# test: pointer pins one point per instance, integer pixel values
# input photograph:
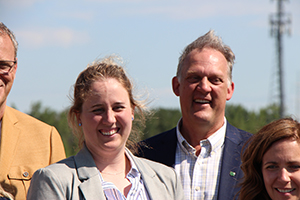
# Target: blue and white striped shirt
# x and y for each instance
(136, 192)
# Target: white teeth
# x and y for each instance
(201, 101)
(109, 133)
(284, 191)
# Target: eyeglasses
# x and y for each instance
(6, 66)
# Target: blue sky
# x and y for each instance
(57, 39)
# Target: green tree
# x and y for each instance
(161, 120)
(237, 115)
(59, 121)
(251, 121)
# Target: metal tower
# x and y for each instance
(280, 22)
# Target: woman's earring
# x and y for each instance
(132, 118)
(79, 124)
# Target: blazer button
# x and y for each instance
(25, 174)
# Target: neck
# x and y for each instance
(194, 133)
(113, 163)
(115, 171)
(2, 109)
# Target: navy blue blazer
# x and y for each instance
(162, 147)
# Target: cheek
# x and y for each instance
(268, 178)
(9, 79)
(186, 86)
(89, 120)
(220, 93)
(296, 179)
(125, 119)
(128, 119)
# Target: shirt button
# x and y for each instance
(197, 188)
(25, 174)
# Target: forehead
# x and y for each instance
(107, 85)
(207, 58)
(204, 55)
(6, 47)
(285, 149)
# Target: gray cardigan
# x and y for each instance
(77, 177)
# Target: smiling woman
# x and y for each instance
(101, 116)
(271, 162)
(102, 79)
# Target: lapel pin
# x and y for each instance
(231, 173)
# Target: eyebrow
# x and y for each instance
(116, 103)
(119, 103)
(4, 61)
(96, 105)
(289, 162)
(270, 162)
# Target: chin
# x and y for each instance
(202, 116)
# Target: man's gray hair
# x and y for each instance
(5, 30)
(209, 40)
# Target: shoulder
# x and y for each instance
(158, 145)
(161, 138)
(23, 118)
(62, 172)
(236, 137)
(56, 181)
(236, 133)
(27, 124)
(160, 148)
(60, 167)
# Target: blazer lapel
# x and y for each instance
(155, 190)
(88, 174)
(9, 140)
(91, 189)
(230, 171)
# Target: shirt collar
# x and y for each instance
(134, 172)
(216, 140)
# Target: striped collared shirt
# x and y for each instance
(200, 175)
(137, 190)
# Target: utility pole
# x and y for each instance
(280, 22)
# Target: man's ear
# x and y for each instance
(230, 90)
(16, 66)
(175, 86)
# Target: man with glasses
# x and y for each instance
(26, 144)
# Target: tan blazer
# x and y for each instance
(27, 144)
(77, 178)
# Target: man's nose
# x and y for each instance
(204, 84)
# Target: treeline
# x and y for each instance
(161, 120)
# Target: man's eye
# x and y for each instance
(4, 65)
(193, 79)
(216, 80)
